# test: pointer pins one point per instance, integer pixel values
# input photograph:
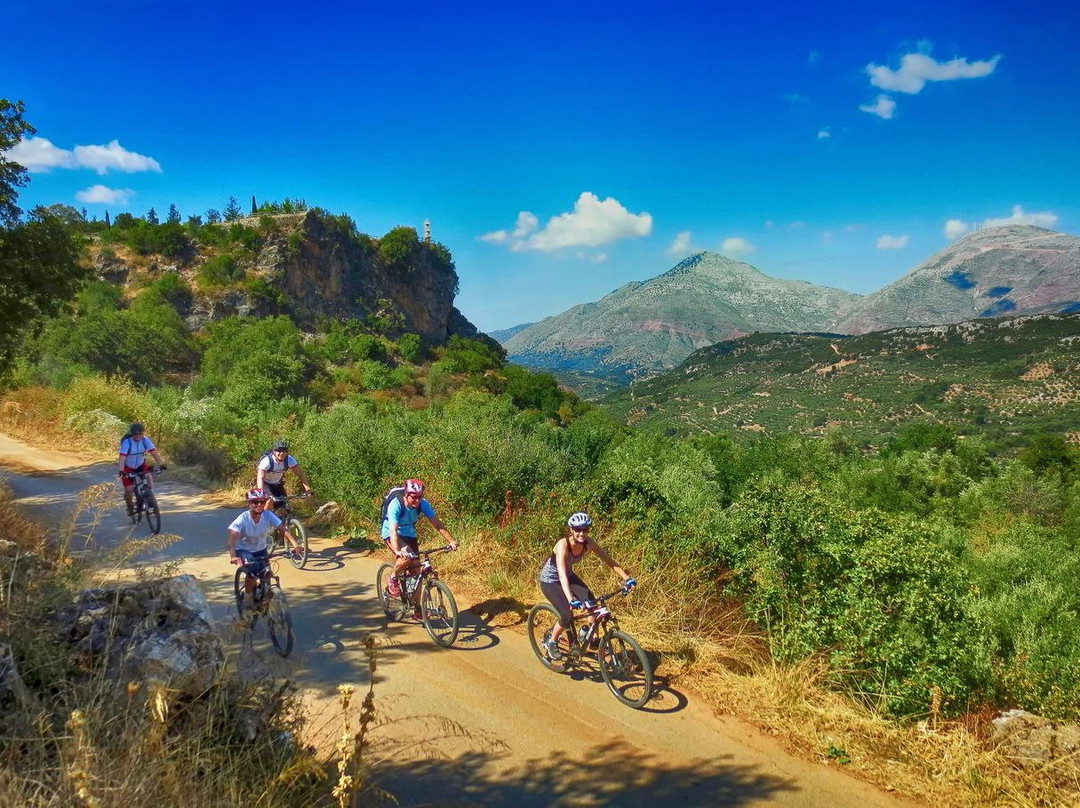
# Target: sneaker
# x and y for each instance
(418, 615)
(553, 652)
(393, 588)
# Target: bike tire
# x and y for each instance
(440, 613)
(382, 578)
(541, 620)
(625, 668)
(279, 622)
(238, 590)
(153, 514)
(296, 528)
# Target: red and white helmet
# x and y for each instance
(414, 486)
(256, 495)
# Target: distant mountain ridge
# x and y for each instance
(648, 327)
(1010, 270)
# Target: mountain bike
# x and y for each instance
(438, 609)
(268, 600)
(144, 501)
(295, 527)
(625, 668)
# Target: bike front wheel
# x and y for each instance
(626, 669)
(440, 613)
(382, 580)
(238, 589)
(279, 622)
(296, 530)
(542, 619)
(153, 515)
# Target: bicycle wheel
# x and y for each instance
(626, 670)
(382, 578)
(440, 613)
(542, 619)
(153, 515)
(238, 589)
(300, 536)
(279, 621)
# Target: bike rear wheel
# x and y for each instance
(542, 619)
(388, 603)
(153, 515)
(440, 613)
(279, 622)
(298, 557)
(626, 669)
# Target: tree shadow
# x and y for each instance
(609, 774)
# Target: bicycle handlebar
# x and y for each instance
(589, 605)
(132, 475)
(446, 548)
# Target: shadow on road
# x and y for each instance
(613, 774)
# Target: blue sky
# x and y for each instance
(561, 150)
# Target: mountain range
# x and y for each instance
(645, 328)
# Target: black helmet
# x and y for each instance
(280, 445)
(136, 428)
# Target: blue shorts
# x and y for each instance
(254, 561)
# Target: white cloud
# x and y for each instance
(883, 107)
(954, 228)
(824, 134)
(681, 244)
(600, 258)
(736, 247)
(1044, 219)
(114, 157)
(37, 154)
(892, 242)
(918, 68)
(592, 223)
(101, 194)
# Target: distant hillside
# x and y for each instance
(648, 327)
(1010, 379)
(504, 334)
(645, 328)
(1002, 271)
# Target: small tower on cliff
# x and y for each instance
(427, 231)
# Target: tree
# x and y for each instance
(39, 273)
(174, 215)
(232, 210)
(12, 175)
(151, 217)
(213, 216)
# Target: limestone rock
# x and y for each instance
(157, 630)
(1032, 739)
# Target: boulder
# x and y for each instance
(1031, 739)
(149, 630)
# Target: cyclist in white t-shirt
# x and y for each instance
(248, 533)
(134, 447)
(272, 468)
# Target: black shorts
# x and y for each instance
(275, 489)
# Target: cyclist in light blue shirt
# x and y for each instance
(399, 531)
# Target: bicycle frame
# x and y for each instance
(419, 571)
(601, 621)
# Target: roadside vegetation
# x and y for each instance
(874, 605)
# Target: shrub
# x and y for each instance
(221, 270)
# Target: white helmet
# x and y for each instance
(579, 519)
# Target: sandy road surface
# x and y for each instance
(516, 733)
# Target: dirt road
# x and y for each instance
(481, 723)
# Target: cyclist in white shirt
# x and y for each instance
(248, 533)
(272, 468)
(134, 447)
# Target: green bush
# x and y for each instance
(221, 270)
